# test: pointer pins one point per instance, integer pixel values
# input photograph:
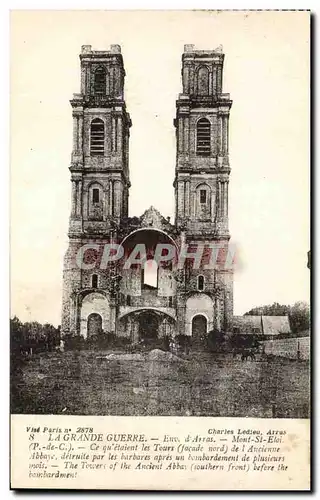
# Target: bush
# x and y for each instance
(73, 342)
(216, 341)
(238, 342)
(147, 344)
(95, 342)
(119, 342)
(184, 342)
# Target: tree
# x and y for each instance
(275, 309)
(16, 334)
(299, 317)
(33, 336)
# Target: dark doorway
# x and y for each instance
(94, 324)
(148, 325)
(199, 326)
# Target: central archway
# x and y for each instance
(146, 324)
(148, 235)
(149, 257)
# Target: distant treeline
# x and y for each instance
(32, 337)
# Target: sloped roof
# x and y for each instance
(268, 325)
(248, 324)
(275, 325)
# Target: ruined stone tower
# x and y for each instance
(149, 299)
(100, 182)
(99, 161)
(201, 181)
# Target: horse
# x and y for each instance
(248, 353)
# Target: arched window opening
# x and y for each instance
(203, 196)
(94, 281)
(97, 137)
(203, 81)
(150, 274)
(95, 195)
(95, 202)
(200, 283)
(203, 202)
(100, 82)
(203, 137)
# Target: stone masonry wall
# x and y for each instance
(288, 348)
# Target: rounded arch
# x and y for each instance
(140, 246)
(203, 80)
(85, 291)
(94, 324)
(99, 81)
(204, 184)
(140, 230)
(199, 325)
(169, 314)
(97, 121)
(205, 315)
(94, 303)
(96, 183)
(199, 303)
(146, 322)
(203, 119)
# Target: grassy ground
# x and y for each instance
(204, 384)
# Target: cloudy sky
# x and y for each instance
(267, 75)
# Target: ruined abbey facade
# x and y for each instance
(149, 298)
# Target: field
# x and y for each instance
(202, 384)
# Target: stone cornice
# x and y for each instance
(83, 102)
(205, 170)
